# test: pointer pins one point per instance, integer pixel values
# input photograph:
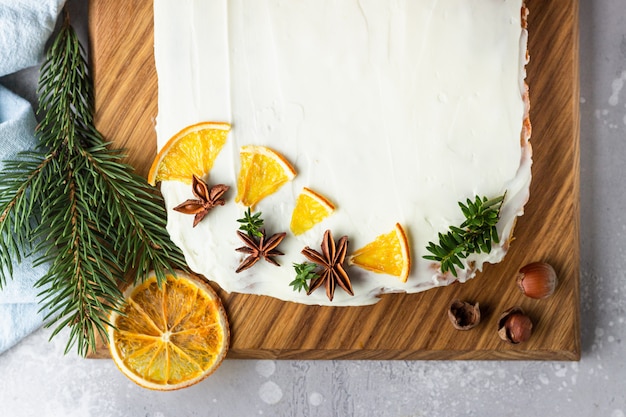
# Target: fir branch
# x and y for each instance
(19, 208)
(141, 211)
(79, 207)
(475, 235)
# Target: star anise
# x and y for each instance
(206, 199)
(331, 260)
(265, 249)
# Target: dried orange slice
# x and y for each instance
(263, 171)
(311, 208)
(387, 254)
(191, 151)
(170, 337)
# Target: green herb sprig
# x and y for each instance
(74, 204)
(475, 235)
(305, 272)
(252, 224)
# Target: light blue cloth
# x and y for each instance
(25, 26)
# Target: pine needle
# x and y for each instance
(74, 203)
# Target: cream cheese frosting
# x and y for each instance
(393, 110)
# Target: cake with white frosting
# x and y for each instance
(393, 110)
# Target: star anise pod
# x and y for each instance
(205, 201)
(331, 260)
(264, 248)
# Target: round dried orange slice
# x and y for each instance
(311, 208)
(387, 254)
(169, 337)
(263, 171)
(191, 151)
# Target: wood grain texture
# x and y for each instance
(399, 326)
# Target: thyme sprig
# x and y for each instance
(251, 223)
(305, 272)
(73, 204)
(476, 234)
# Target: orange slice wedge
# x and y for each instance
(311, 208)
(387, 254)
(170, 337)
(263, 171)
(191, 151)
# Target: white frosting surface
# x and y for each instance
(393, 110)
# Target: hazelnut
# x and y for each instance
(464, 315)
(514, 326)
(537, 280)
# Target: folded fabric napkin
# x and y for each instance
(25, 26)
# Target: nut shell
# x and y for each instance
(514, 326)
(463, 315)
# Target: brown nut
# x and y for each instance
(537, 280)
(514, 326)
(463, 315)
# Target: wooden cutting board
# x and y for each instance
(400, 326)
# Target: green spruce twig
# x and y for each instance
(75, 204)
(475, 235)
